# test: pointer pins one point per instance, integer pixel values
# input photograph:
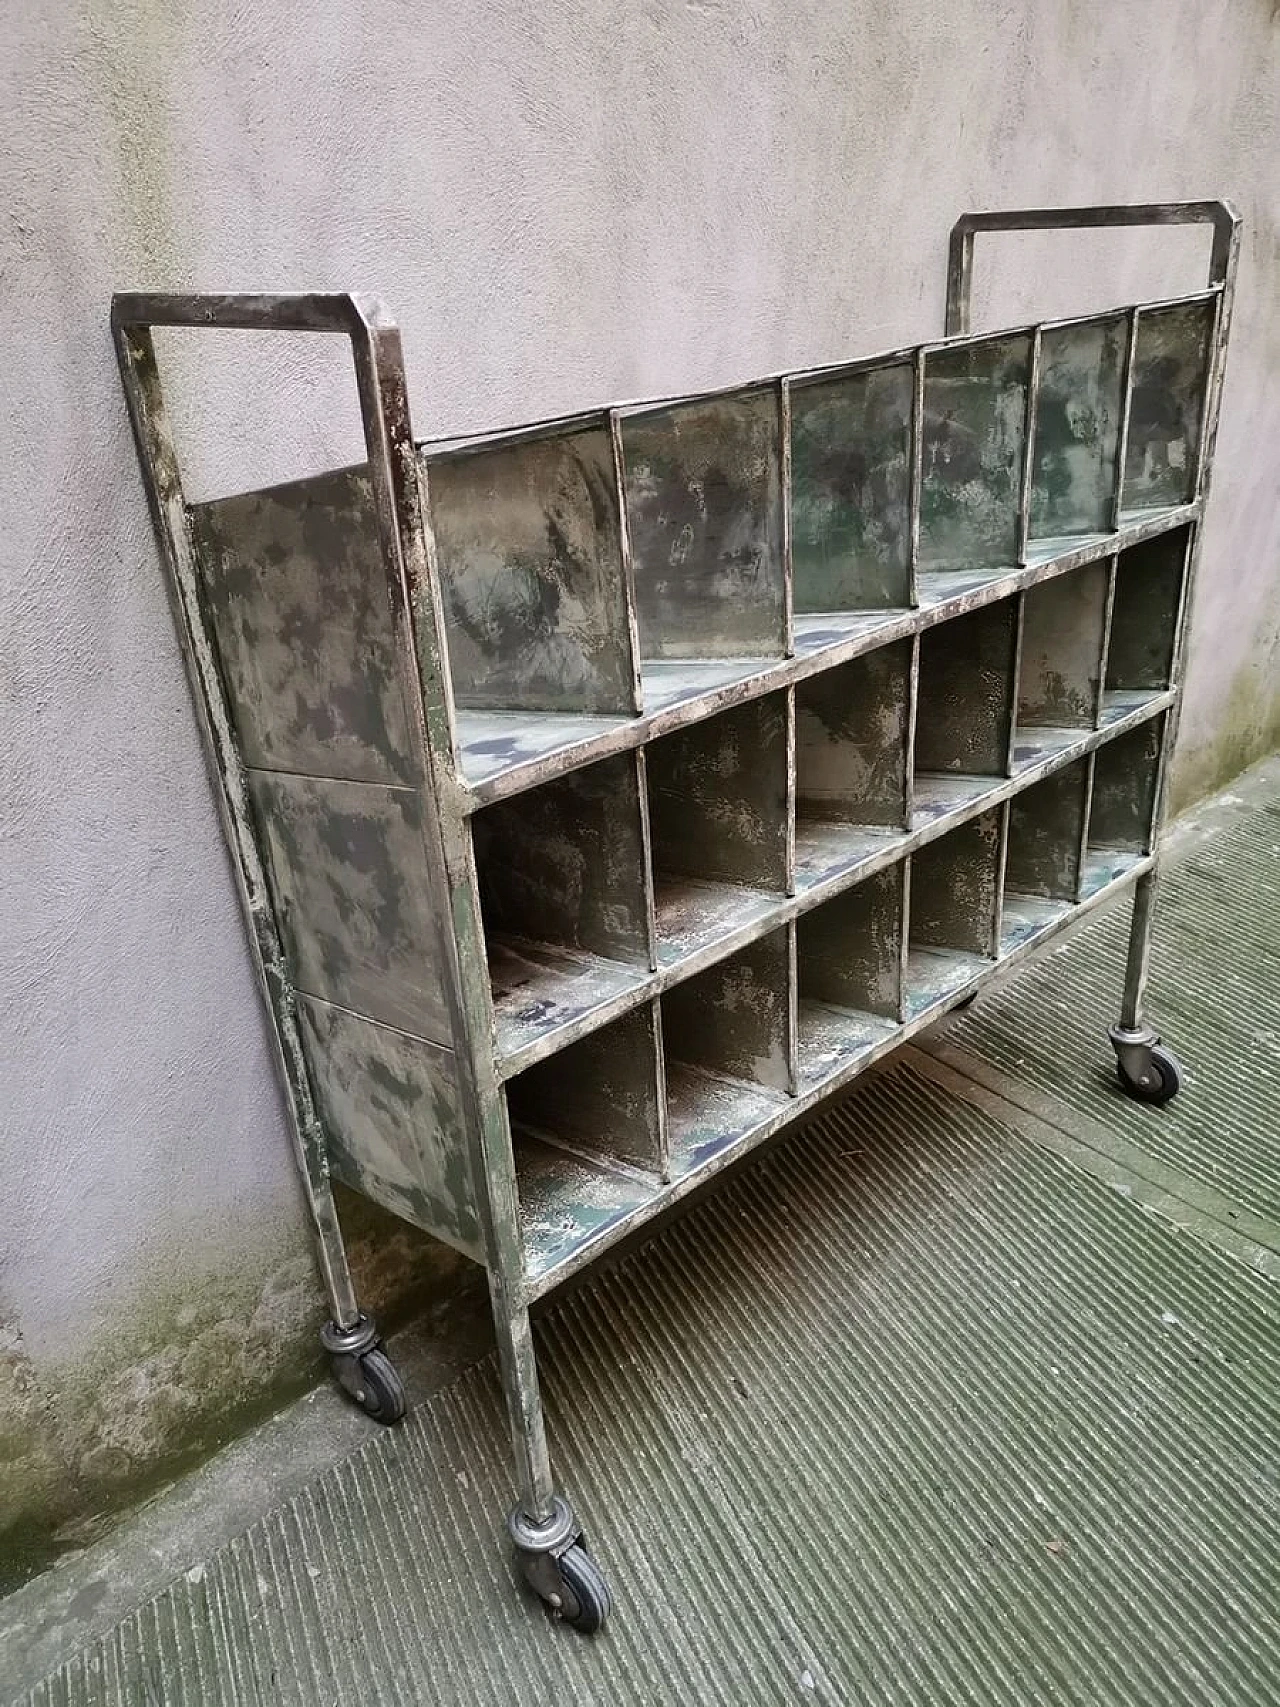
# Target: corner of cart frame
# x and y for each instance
(606, 793)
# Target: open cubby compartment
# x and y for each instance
(851, 466)
(531, 565)
(1122, 807)
(588, 1137)
(1064, 627)
(1145, 616)
(953, 910)
(852, 761)
(1045, 854)
(562, 884)
(850, 966)
(964, 708)
(720, 813)
(729, 1049)
(1075, 457)
(1171, 361)
(706, 517)
(974, 439)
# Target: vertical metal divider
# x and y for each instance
(793, 1010)
(1126, 409)
(792, 1041)
(789, 794)
(1002, 861)
(904, 945)
(916, 478)
(1015, 680)
(788, 553)
(913, 705)
(1031, 415)
(627, 566)
(1084, 824)
(1108, 614)
(651, 934)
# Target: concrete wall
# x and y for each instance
(564, 204)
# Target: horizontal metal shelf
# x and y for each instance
(572, 1210)
(505, 752)
(553, 1014)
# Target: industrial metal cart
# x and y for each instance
(605, 794)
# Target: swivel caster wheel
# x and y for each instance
(364, 1371)
(1148, 1072)
(562, 1574)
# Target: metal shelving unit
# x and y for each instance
(606, 794)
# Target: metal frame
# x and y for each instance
(1133, 1036)
(542, 1526)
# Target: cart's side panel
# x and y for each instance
(293, 582)
(391, 1107)
(294, 586)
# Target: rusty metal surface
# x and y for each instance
(1046, 835)
(852, 739)
(974, 442)
(1170, 373)
(735, 1019)
(851, 489)
(1124, 789)
(1064, 631)
(955, 886)
(354, 907)
(564, 864)
(1150, 579)
(529, 549)
(967, 688)
(850, 950)
(291, 578)
(718, 797)
(601, 1098)
(1081, 397)
(391, 1105)
(705, 509)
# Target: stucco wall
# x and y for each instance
(563, 204)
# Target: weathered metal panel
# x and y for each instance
(966, 703)
(352, 898)
(529, 553)
(392, 1113)
(1125, 773)
(705, 509)
(1046, 834)
(1170, 375)
(718, 797)
(849, 949)
(599, 1097)
(295, 588)
(1063, 632)
(852, 762)
(564, 863)
(851, 489)
(974, 436)
(1077, 427)
(1144, 618)
(954, 885)
(735, 1018)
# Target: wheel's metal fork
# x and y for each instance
(1147, 1070)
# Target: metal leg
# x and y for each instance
(550, 1546)
(352, 1339)
(1147, 1070)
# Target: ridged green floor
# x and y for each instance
(916, 1410)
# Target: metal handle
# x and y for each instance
(1221, 215)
